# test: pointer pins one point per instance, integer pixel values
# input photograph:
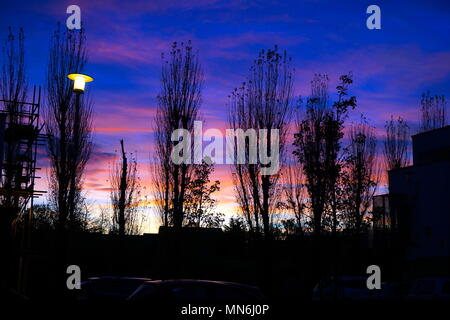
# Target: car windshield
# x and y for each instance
(210, 292)
(145, 291)
(230, 293)
(189, 292)
(122, 286)
(353, 284)
(424, 287)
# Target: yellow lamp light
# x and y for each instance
(79, 81)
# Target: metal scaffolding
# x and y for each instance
(19, 139)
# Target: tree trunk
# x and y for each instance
(123, 189)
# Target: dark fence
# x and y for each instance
(281, 268)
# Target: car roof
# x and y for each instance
(433, 278)
(194, 281)
(345, 278)
(118, 278)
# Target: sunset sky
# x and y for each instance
(391, 67)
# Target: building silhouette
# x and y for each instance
(417, 208)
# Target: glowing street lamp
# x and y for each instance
(79, 81)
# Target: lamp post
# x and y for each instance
(79, 83)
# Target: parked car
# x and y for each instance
(430, 289)
(196, 291)
(350, 288)
(109, 287)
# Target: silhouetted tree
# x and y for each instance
(396, 144)
(334, 132)
(68, 125)
(103, 221)
(294, 200)
(263, 102)
(236, 225)
(433, 112)
(290, 228)
(318, 145)
(160, 173)
(199, 204)
(44, 219)
(361, 175)
(125, 195)
(178, 105)
(311, 148)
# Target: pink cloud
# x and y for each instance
(123, 119)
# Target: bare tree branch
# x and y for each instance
(396, 144)
(264, 102)
(318, 147)
(68, 125)
(361, 175)
(433, 112)
(125, 195)
(178, 105)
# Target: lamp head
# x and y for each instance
(79, 81)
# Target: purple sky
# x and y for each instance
(391, 66)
